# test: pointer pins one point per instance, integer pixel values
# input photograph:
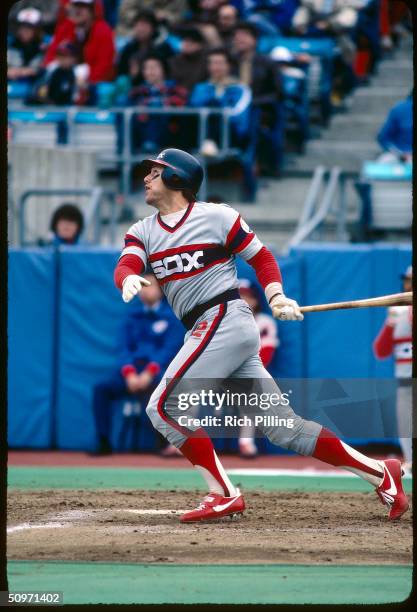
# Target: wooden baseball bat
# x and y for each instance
(395, 299)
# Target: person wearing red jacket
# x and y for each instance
(92, 36)
(395, 338)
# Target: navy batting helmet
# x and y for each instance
(181, 170)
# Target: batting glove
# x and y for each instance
(132, 284)
(394, 314)
(283, 308)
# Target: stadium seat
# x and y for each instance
(35, 127)
(386, 195)
(320, 70)
(18, 90)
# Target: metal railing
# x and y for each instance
(92, 220)
(124, 157)
(326, 196)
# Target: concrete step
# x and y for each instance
(378, 99)
(349, 154)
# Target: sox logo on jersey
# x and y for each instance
(185, 261)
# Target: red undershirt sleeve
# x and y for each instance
(384, 344)
(266, 268)
(128, 264)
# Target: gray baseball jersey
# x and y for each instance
(193, 260)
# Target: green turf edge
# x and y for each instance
(165, 479)
(125, 583)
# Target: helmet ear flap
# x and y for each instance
(172, 179)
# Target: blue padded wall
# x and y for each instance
(90, 312)
(31, 349)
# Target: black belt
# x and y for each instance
(191, 317)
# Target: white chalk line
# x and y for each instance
(25, 526)
(74, 516)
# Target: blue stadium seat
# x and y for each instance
(385, 192)
(320, 70)
(18, 89)
(323, 47)
(95, 117)
(38, 116)
(374, 170)
(37, 127)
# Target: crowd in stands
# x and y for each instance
(166, 53)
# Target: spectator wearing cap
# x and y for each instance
(145, 40)
(396, 135)
(26, 50)
(58, 85)
(269, 342)
(168, 12)
(67, 224)
(189, 67)
(93, 39)
(150, 133)
(262, 75)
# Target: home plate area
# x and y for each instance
(142, 526)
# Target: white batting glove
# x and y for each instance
(283, 308)
(394, 314)
(132, 284)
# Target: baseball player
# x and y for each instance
(191, 247)
(395, 338)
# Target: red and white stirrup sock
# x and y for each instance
(332, 450)
(201, 453)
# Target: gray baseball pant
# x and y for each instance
(224, 343)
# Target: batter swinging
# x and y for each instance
(191, 247)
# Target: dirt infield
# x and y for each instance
(278, 527)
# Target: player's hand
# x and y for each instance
(132, 284)
(285, 309)
(393, 315)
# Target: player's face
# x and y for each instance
(155, 190)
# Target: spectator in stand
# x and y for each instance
(48, 9)
(249, 292)
(25, 51)
(64, 10)
(58, 85)
(145, 40)
(169, 12)
(204, 14)
(150, 339)
(223, 90)
(189, 67)
(395, 338)
(151, 133)
(93, 39)
(335, 19)
(262, 75)
(67, 224)
(396, 135)
(227, 20)
(269, 16)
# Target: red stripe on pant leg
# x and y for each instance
(199, 450)
(186, 365)
(330, 450)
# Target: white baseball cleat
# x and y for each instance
(215, 506)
